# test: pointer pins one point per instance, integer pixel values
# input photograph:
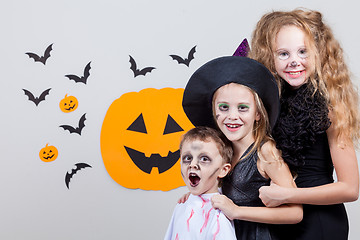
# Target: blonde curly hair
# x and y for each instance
(330, 75)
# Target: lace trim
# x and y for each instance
(302, 117)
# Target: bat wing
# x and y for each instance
(81, 124)
(82, 165)
(44, 94)
(68, 177)
(178, 59)
(133, 66)
(146, 70)
(87, 72)
(33, 56)
(71, 129)
(73, 77)
(191, 54)
(47, 53)
(30, 96)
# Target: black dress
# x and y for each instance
(242, 187)
(301, 135)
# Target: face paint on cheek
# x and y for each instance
(214, 173)
(217, 116)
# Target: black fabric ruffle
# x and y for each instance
(302, 117)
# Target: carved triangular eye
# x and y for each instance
(138, 125)
(171, 126)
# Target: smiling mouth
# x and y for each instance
(194, 179)
(232, 127)
(49, 157)
(69, 108)
(295, 73)
(146, 164)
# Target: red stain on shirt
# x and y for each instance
(218, 227)
(188, 224)
(206, 220)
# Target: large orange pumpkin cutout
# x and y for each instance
(140, 139)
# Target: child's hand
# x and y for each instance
(273, 195)
(225, 204)
(184, 198)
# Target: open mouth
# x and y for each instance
(146, 164)
(194, 179)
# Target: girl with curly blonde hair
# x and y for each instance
(319, 121)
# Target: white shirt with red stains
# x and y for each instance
(197, 219)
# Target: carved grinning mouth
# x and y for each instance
(71, 107)
(49, 157)
(146, 164)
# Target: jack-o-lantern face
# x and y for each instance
(68, 104)
(48, 153)
(140, 139)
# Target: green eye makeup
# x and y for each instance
(223, 105)
(243, 106)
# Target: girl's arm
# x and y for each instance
(270, 165)
(285, 214)
(346, 189)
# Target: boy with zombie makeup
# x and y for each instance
(205, 159)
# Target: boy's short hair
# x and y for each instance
(207, 134)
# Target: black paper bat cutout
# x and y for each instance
(82, 79)
(38, 58)
(68, 175)
(37, 100)
(136, 71)
(77, 129)
(187, 60)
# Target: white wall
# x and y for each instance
(35, 203)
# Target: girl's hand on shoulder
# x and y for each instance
(184, 198)
(225, 204)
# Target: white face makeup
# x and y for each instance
(202, 166)
(291, 56)
(236, 112)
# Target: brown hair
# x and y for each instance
(330, 75)
(207, 134)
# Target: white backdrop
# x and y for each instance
(35, 203)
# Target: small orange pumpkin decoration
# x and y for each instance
(140, 139)
(68, 104)
(48, 153)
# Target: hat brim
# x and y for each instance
(199, 91)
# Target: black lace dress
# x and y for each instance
(242, 185)
(300, 134)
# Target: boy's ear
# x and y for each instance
(224, 170)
